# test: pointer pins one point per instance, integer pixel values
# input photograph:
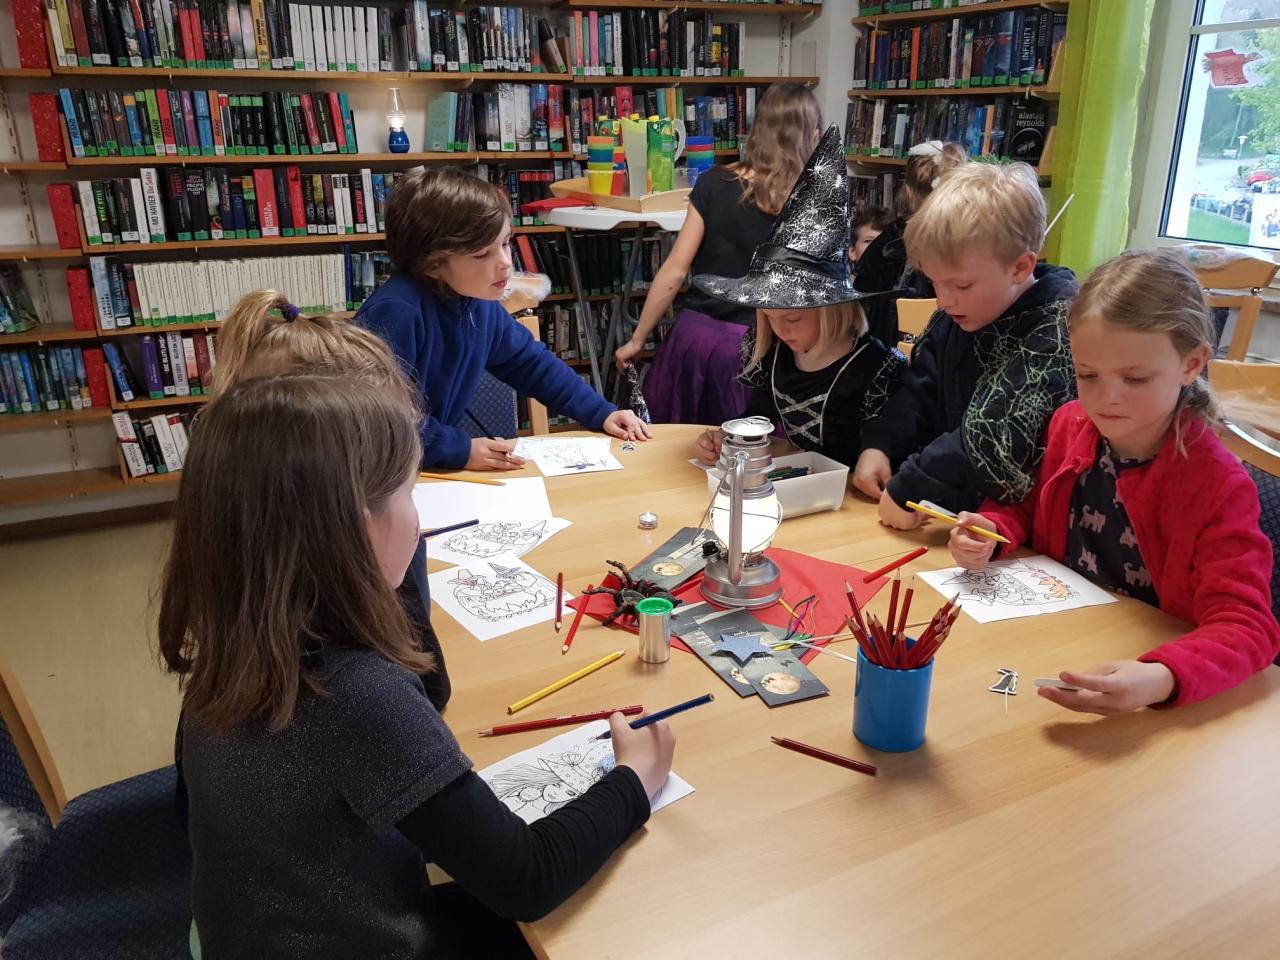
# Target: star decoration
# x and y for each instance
(742, 647)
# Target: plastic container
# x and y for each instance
(822, 489)
(891, 707)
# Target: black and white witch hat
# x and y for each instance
(804, 262)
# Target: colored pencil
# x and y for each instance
(853, 605)
(564, 682)
(546, 722)
(946, 516)
(814, 646)
(447, 476)
(890, 567)
(560, 599)
(449, 529)
(577, 619)
(663, 714)
(892, 618)
(820, 754)
(906, 606)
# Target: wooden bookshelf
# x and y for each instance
(118, 404)
(919, 16)
(46, 333)
(140, 329)
(764, 9)
(151, 479)
(15, 423)
(293, 159)
(1044, 92)
(10, 167)
(16, 72)
(60, 486)
(397, 77)
(38, 252)
(623, 80)
(1041, 171)
(328, 239)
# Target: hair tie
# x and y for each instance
(289, 311)
(933, 149)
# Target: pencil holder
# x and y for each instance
(890, 707)
(654, 615)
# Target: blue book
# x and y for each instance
(12, 384)
(151, 366)
(134, 144)
(204, 124)
(69, 379)
(73, 124)
(29, 375)
(348, 123)
(237, 210)
(119, 372)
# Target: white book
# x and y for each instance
(507, 116)
(524, 118)
(155, 292)
(171, 285)
(362, 41)
(617, 42)
(248, 38)
(102, 292)
(211, 270)
(342, 203)
(464, 45)
(179, 431)
(144, 294)
(164, 436)
(144, 230)
(318, 38)
(339, 39)
(178, 363)
(690, 49)
(338, 277)
(132, 454)
(422, 33)
(211, 341)
(371, 38)
(349, 28)
(370, 218)
(236, 34)
(88, 211)
(296, 58)
(163, 16)
(124, 427)
(55, 31)
(330, 41)
(306, 33)
(877, 124)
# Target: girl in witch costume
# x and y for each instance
(811, 366)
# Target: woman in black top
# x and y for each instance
(731, 210)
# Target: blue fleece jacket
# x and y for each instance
(446, 343)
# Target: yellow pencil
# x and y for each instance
(448, 476)
(938, 513)
(561, 684)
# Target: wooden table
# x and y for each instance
(1044, 834)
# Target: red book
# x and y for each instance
(63, 207)
(197, 30)
(202, 358)
(80, 293)
(80, 33)
(357, 197)
(264, 188)
(44, 118)
(526, 253)
(626, 101)
(29, 24)
(297, 209)
(335, 111)
(309, 121)
(166, 124)
(187, 32)
(96, 373)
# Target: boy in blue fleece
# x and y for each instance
(448, 236)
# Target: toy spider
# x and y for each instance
(629, 593)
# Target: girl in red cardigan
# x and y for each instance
(1137, 493)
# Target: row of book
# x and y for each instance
(220, 203)
(873, 189)
(874, 8)
(42, 379)
(155, 444)
(161, 366)
(17, 312)
(1004, 128)
(655, 43)
(167, 122)
(1011, 48)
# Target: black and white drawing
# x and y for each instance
(1009, 589)
(496, 596)
(493, 539)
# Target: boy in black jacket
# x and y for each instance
(995, 361)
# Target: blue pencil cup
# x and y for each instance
(890, 707)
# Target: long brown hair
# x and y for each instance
(783, 134)
(1156, 291)
(432, 214)
(258, 338)
(271, 559)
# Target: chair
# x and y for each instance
(913, 318)
(114, 879)
(1219, 269)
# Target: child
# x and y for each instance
(813, 370)
(731, 211)
(266, 334)
(867, 224)
(884, 266)
(1137, 493)
(994, 362)
(449, 235)
(320, 775)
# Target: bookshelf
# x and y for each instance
(923, 16)
(72, 433)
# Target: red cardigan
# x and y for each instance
(1196, 520)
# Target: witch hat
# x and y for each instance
(804, 262)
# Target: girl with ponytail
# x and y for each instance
(1137, 493)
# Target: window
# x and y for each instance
(1213, 168)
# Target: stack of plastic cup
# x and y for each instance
(600, 163)
(701, 155)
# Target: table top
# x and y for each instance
(607, 218)
(1046, 833)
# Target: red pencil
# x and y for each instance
(577, 619)
(890, 567)
(819, 754)
(559, 721)
(853, 605)
(892, 619)
(559, 599)
(906, 605)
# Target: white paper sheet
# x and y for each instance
(540, 780)
(493, 539)
(1009, 589)
(492, 597)
(444, 502)
(557, 456)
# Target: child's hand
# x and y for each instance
(489, 454)
(626, 425)
(970, 551)
(708, 446)
(872, 472)
(623, 356)
(646, 751)
(1115, 687)
(892, 515)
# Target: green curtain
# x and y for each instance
(1105, 60)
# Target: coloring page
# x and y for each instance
(1009, 589)
(557, 456)
(542, 779)
(487, 540)
(444, 502)
(497, 596)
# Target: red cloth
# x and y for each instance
(802, 576)
(1196, 520)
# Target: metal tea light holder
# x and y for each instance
(745, 515)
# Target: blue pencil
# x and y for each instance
(449, 529)
(663, 714)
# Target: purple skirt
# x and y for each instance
(694, 375)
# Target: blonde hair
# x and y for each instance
(258, 339)
(922, 170)
(781, 139)
(986, 206)
(1155, 291)
(834, 321)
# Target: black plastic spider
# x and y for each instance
(629, 593)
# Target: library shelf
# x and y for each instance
(58, 486)
(1043, 92)
(919, 16)
(765, 9)
(43, 251)
(13, 423)
(51, 333)
(461, 77)
(142, 328)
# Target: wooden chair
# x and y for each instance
(913, 317)
(1227, 270)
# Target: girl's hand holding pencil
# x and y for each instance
(647, 751)
(969, 549)
(490, 454)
